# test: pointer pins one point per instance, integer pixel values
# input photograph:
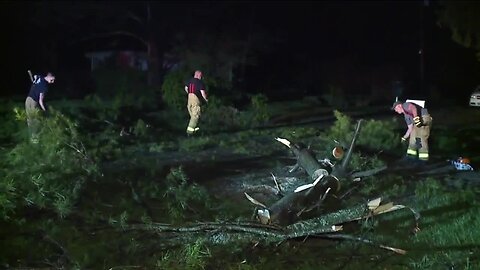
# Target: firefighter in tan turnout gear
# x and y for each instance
(196, 95)
(419, 123)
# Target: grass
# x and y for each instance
(448, 237)
(451, 219)
(449, 216)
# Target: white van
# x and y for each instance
(475, 97)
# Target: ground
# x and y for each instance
(226, 162)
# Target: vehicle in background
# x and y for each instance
(475, 97)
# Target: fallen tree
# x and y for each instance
(221, 233)
(327, 177)
(286, 219)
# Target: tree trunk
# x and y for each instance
(153, 65)
(341, 171)
(247, 232)
(289, 209)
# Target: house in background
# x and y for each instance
(131, 59)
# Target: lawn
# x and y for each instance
(70, 201)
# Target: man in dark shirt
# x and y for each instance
(35, 100)
(418, 122)
(195, 89)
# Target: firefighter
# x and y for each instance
(419, 123)
(35, 102)
(197, 94)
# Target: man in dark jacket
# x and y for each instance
(196, 91)
(419, 123)
(36, 101)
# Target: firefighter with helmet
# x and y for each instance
(419, 123)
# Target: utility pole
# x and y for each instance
(421, 52)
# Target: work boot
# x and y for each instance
(190, 131)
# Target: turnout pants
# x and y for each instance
(33, 112)
(194, 110)
(418, 144)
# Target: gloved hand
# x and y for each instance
(418, 121)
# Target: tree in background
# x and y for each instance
(461, 17)
(222, 48)
(96, 25)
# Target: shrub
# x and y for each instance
(259, 105)
(140, 129)
(378, 135)
(220, 116)
(343, 128)
(173, 92)
(374, 134)
(7, 117)
(48, 175)
(104, 110)
(182, 195)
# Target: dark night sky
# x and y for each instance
(316, 40)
